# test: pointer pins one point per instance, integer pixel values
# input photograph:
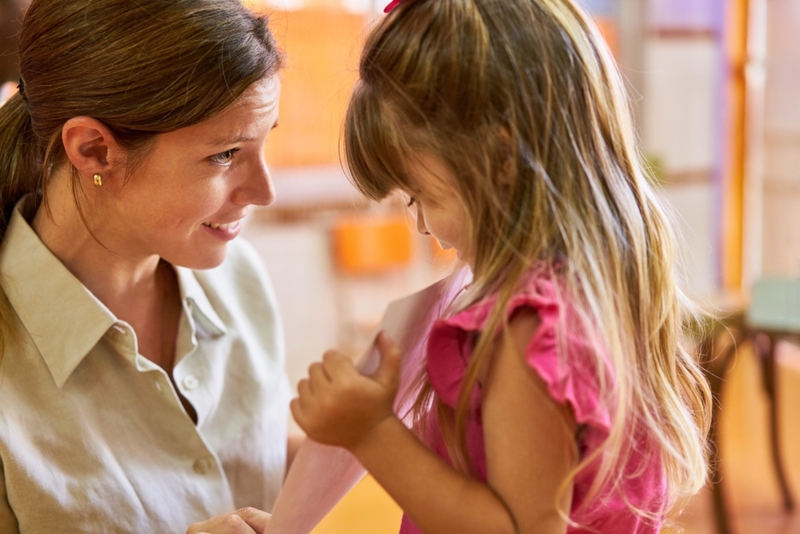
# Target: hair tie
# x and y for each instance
(21, 88)
(391, 6)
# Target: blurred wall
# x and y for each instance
(680, 116)
(780, 233)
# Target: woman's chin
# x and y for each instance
(199, 261)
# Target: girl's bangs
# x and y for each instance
(375, 144)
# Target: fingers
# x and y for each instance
(338, 366)
(388, 372)
(304, 388)
(243, 521)
(334, 368)
(255, 518)
(309, 389)
(317, 377)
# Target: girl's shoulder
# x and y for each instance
(562, 353)
(575, 371)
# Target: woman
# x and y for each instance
(141, 383)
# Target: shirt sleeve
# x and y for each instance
(566, 360)
(558, 352)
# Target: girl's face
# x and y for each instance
(435, 203)
(188, 197)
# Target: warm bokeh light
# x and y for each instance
(322, 48)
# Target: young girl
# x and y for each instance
(557, 396)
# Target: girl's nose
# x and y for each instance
(421, 228)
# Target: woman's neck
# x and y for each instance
(137, 289)
(114, 275)
(141, 290)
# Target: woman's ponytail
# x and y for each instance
(19, 165)
(19, 175)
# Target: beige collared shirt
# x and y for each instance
(93, 436)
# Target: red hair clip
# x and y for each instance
(392, 5)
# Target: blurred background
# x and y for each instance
(714, 85)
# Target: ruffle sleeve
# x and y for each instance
(571, 378)
(570, 364)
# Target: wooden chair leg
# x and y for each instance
(721, 516)
(769, 375)
(714, 372)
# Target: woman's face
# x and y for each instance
(186, 200)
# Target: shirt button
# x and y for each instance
(190, 382)
(202, 466)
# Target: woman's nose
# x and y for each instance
(258, 189)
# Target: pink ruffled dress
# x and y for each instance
(571, 380)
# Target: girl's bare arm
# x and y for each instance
(527, 431)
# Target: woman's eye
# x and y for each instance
(411, 202)
(224, 158)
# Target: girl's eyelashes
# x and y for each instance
(224, 158)
(411, 202)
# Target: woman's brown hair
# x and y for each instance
(142, 68)
(523, 102)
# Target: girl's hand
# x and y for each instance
(336, 405)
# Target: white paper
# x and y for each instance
(321, 475)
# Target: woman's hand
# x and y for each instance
(244, 521)
(336, 405)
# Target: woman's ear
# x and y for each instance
(91, 148)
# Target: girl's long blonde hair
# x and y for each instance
(527, 88)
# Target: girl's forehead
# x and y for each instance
(426, 170)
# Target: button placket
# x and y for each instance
(190, 382)
(202, 466)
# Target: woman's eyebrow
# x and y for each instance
(236, 138)
(232, 140)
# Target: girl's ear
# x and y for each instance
(91, 148)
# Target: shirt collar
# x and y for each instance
(63, 318)
(203, 312)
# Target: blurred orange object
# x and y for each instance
(322, 44)
(372, 244)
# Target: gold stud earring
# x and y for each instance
(98, 180)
